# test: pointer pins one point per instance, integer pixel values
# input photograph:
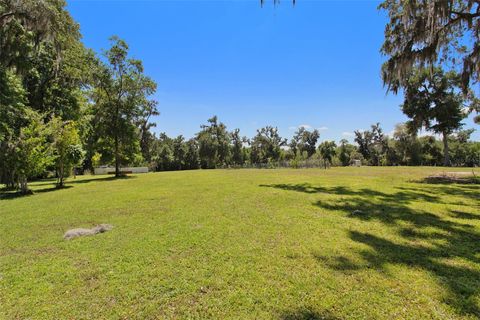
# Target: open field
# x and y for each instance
(244, 244)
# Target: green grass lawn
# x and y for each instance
(244, 244)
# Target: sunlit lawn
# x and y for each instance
(244, 244)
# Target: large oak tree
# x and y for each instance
(433, 101)
(425, 33)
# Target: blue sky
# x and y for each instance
(316, 64)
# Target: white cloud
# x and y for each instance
(305, 126)
(348, 134)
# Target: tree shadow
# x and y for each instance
(307, 314)
(54, 188)
(464, 191)
(462, 283)
(9, 195)
(6, 194)
(101, 179)
(308, 188)
(441, 240)
(338, 263)
(449, 179)
(464, 215)
(404, 196)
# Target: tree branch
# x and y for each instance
(6, 15)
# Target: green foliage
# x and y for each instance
(266, 150)
(25, 26)
(427, 33)
(121, 96)
(44, 67)
(420, 36)
(214, 144)
(462, 151)
(48, 79)
(149, 109)
(13, 116)
(406, 147)
(432, 102)
(31, 152)
(237, 149)
(12, 104)
(174, 154)
(372, 144)
(266, 146)
(192, 158)
(431, 151)
(179, 152)
(24, 153)
(304, 141)
(327, 151)
(345, 152)
(67, 149)
(40, 42)
(55, 88)
(163, 153)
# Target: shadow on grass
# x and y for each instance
(102, 179)
(461, 282)
(404, 196)
(307, 314)
(464, 215)
(443, 241)
(449, 180)
(463, 191)
(6, 194)
(9, 195)
(338, 263)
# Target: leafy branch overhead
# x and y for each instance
(429, 33)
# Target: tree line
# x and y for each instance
(63, 106)
(214, 146)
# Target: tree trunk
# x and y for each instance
(117, 158)
(24, 185)
(446, 155)
(60, 176)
